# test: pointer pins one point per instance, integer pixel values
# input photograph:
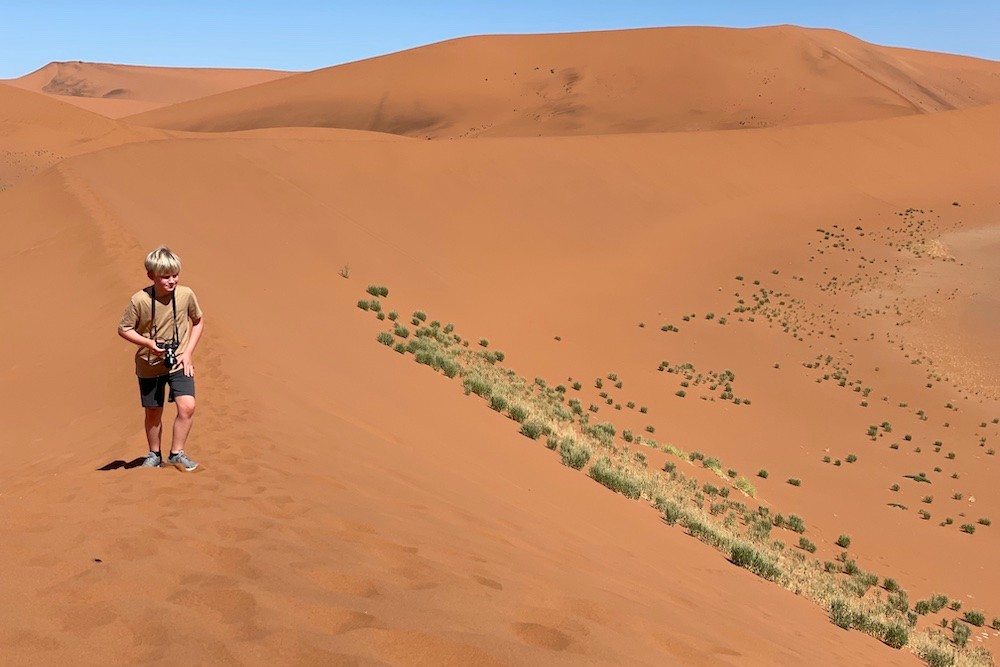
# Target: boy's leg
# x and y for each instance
(154, 428)
(183, 422)
(151, 392)
(182, 394)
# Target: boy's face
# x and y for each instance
(163, 284)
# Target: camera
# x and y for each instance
(169, 348)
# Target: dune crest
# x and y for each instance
(37, 131)
(649, 80)
(121, 90)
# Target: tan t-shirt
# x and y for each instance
(138, 315)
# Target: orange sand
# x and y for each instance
(651, 80)
(121, 90)
(357, 507)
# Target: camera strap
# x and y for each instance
(173, 302)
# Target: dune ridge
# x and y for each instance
(115, 90)
(648, 80)
(37, 132)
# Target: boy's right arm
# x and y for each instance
(133, 336)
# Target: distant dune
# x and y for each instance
(651, 80)
(356, 507)
(121, 90)
(37, 131)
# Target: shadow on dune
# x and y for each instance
(118, 463)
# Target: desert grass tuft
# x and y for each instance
(574, 454)
(748, 557)
(618, 478)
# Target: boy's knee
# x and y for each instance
(154, 415)
(185, 406)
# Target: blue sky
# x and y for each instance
(303, 34)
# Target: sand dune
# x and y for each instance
(654, 80)
(122, 90)
(359, 508)
(37, 132)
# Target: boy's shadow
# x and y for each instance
(118, 463)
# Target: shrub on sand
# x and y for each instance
(534, 428)
(573, 454)
(747, 557)
(616, 478)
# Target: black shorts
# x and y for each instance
(151, 390)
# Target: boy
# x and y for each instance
(165, 321)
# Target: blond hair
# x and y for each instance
(163, 262)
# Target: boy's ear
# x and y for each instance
(149, 274)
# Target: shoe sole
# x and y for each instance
(183, 468)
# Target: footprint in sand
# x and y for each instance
(339, 621)
(83, 620)
(489, 583)
(232, 531)
(228, 605)
(344, 584)
(541, 636)
(232, 560)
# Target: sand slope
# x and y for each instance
(358, 507)
(652, 80)
(121, 90)
(36, 132)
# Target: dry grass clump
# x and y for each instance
(621, 478)
(746, 556)
(937, 650)
(574, 454)
(849, 614)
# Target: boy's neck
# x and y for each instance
(161, 294)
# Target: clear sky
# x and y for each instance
(308, 34)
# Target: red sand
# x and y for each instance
(122, 90)
(37, 132)
(654, 80)
(356, 507)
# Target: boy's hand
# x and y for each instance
(157, 351)
(187, 364)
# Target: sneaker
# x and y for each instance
(152, 460)
(182, 462)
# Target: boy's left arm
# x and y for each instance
(197, 326)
